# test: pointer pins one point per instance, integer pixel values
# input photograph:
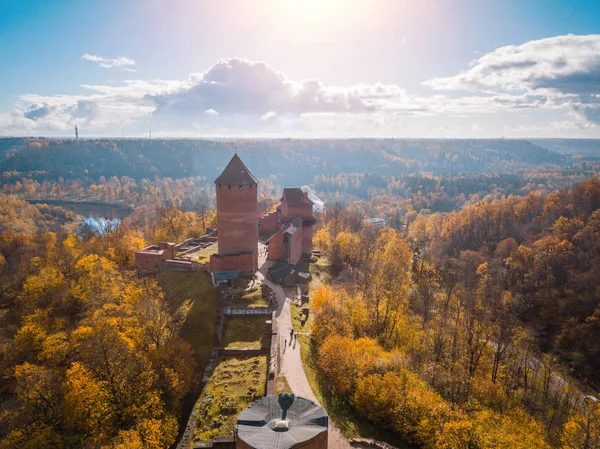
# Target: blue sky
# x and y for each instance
(301, 68)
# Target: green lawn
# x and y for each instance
(248, 298)
(235, 384)
(320, 272)
(195, 293)
(203, 256)
(297, 316)
(243, 332)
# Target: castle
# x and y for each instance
(289, 229)
(290, 226)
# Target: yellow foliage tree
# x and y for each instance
(344, 360)
(87, 406)
(331, 312)
(582, 431)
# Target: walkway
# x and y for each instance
(291, 362)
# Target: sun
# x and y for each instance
(321, 9)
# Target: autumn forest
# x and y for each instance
(472, 320)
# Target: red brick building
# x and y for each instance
(296, 204)
(237, 219)
(149, 258)
(291, 226)
(286, 244)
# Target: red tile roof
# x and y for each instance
(295, 197)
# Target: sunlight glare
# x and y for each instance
(322, 9)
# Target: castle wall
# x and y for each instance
(149, 258)
(277, 248)
(169, 250)
(291, 212)
(307, 238)
(247, 263)
(147, 262)
(269, 224)
(295, 246)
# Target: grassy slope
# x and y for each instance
(249, 298)
(235, 383)
(199, 327)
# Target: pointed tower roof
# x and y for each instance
(236, 173)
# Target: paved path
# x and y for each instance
(291, 362)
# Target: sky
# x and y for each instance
(300, 68)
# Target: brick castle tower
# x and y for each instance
(237, 219)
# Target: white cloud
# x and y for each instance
(556, 71)
(240, 86)
(243, 97)
(268, 116)
(567, 64)
(107, 63)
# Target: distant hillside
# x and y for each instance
(584, 147)
(298, 161)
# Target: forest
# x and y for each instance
(483, 322)
(90, 354)
(470, 321)
(391, 178)
(292, 160)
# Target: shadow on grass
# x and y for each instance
(341, 412)
(198, 327)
